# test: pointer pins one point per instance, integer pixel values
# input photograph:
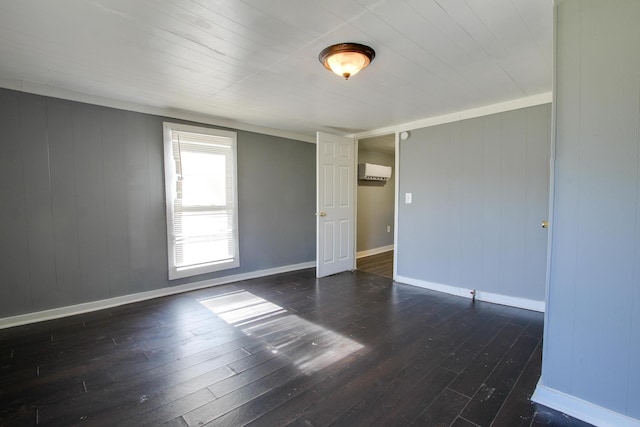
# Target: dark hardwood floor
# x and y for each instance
(352, 349)
(380, 264)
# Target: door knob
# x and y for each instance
(322, 214)
(545, 224)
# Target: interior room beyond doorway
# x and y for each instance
(375, 208)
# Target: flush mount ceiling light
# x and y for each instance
(346, 59)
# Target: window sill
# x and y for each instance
(179, 273)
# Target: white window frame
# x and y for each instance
(170, 172)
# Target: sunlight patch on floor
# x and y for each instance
(310, 346)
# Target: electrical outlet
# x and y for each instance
(407, 198)
(388, 229)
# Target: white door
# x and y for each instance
(336, 173)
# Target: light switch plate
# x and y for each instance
(407, 198)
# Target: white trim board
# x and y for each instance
(527, 304)
(581, 409)
(501, 107)
(374, 251)
(55, 313)
(62, 93)
(70, 95)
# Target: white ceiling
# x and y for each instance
(255, 61)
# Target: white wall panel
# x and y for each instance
(113, 149)
(474, 191)
(83, 211)
(63, 199)
(472, 226)
(14, 247)
(592, 339)
(37, 200)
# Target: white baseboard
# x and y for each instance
(480, 295)
(374, 251)
(581, 409)
(55, 313)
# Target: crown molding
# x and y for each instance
(501, 107)
(70, 95)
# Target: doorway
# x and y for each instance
(376, 208)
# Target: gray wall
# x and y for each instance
(375, 203)
(592, 337)
(82, 214)
(480, 190)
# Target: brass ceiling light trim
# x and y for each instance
(346, 59)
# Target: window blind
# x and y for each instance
(201, 199)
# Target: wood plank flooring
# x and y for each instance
(353, 349)
(380, 264)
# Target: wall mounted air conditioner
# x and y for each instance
(371, 172)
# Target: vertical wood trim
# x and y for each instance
(157, 220)
(633, 387)
(137, 199)
(63, 200)
(455, 189)
(90, 197)
(14, 248)
(396, 204)
(35, 154)
(115, 201)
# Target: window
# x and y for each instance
(202, 200)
